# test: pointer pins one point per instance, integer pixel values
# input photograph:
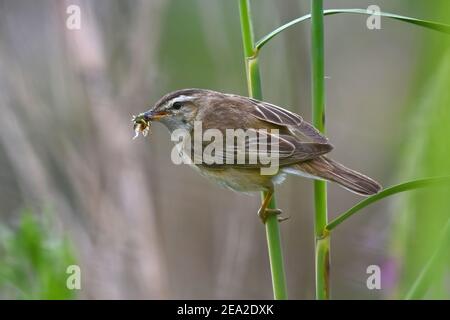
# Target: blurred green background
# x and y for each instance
(75, 189)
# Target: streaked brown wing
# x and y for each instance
(287, 148)
(296, 139)
(282, 117)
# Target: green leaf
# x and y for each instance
(445, 28)
(420, 286)
(411, 185)
(33, 261)
(418, 218)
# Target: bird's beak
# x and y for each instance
(155, 116)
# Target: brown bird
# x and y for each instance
(300, 148)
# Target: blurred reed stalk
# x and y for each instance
(318, 119)
(255, 91)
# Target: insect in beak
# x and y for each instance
(141, 124)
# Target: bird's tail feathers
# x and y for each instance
(327, 169)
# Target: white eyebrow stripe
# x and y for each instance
(181, 98)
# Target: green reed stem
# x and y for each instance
(255, 91)
(318, 119)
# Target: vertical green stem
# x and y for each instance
(318, 117)
(254, 89)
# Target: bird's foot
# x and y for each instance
(265, 214)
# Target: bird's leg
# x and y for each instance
(265, 212)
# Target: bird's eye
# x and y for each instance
(177, 105)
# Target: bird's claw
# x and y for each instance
(265, 214)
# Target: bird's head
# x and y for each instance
(176, 110)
